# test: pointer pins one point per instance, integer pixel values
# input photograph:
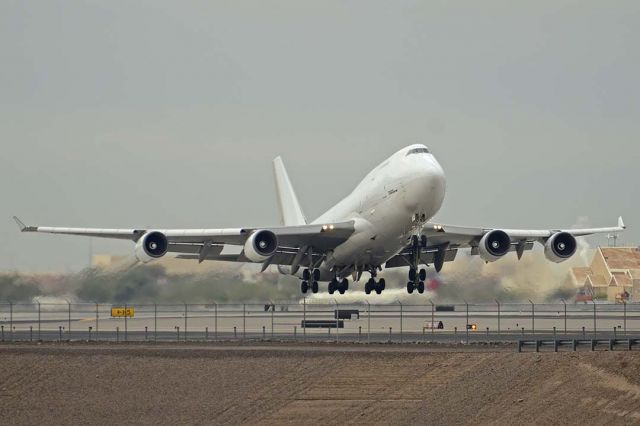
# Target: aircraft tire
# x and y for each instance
(410, 287)
(316, 274)
(421, 287)
(412, 274)
(367, 287)
(345, 284)
(304, 287)
(423, 274)
(306, 275)
(314, 287)
(382, 284)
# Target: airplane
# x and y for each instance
(384, 222)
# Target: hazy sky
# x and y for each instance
(168, 114)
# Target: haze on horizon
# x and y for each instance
(165, 114)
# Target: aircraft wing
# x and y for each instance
(445, 240)
(189, 243)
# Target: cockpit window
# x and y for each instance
(418, 151)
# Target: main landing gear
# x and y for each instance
(338, 285)
(416, 280)
(310, 280)
(373, 285)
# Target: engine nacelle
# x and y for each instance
(152, 245)
(494, 245)
(260, 245)
(560, 247)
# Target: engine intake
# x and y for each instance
(260, 245)
(560, 247)
(494, 245)
(151, 245)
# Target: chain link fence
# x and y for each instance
(311, 321)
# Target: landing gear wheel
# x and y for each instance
(314, 287)
(304, 286)
(410, 287)
(382, 284)
(343, 286)
(332, 287)
(423, 241)
(412, 274)
(423, 274)
(316, 274)
(369, 286)
(306, 275)
(421, 287)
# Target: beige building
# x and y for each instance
(613, 274)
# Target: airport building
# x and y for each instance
(613, 275)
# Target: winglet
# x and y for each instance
(621, 223)
(21, 225)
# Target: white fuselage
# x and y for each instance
(390, 203)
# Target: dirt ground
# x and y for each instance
(137, 384)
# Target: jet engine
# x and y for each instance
(560, 247)
(260, 245)
(494, 245)
(151, 245)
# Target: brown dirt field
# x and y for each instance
(138, 384)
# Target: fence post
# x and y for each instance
(304, 319)
(533, 317)
(368, 321)
(565, 316)
(244, 321)
(126, 329)
(337, 319)
(432, 316)
(594, 320)
(11, 321)
(185, 322)
(624, 307)
(467, 326)
(97, 322)
(498, 303)
(69, 322)
(273, 308)
(155, 322)
(401, 309)
(215, 320)
(39, 337)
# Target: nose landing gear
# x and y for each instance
(416, 279)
